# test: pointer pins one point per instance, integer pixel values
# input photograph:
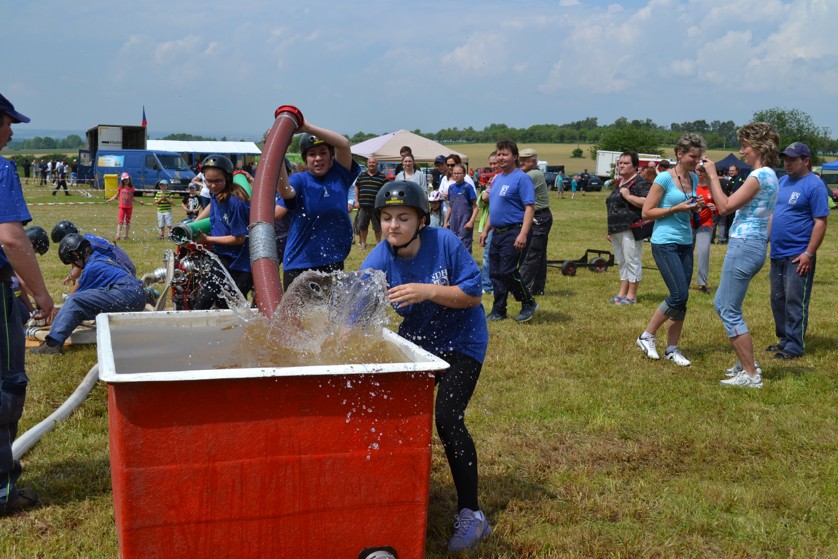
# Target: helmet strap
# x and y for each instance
(396, 249)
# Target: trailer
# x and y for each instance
(607, 160)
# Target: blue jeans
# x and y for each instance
(485, 278)
(506, 262)
(790, 293)
(744, 258)
(675, 263)
(124, 296)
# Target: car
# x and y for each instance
(550, 179)
(594, 183)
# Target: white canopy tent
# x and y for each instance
(386, 147)
(205, 146)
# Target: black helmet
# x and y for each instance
(307, 141)
(402, 193)
(39, 238)
(61, 229)
(219, 162)
(73, 247)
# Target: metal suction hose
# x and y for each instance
(263, 256)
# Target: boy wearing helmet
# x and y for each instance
(320, 235)
(104, 286)
(435, 286)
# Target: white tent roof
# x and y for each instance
(386, 147)
(207, 147)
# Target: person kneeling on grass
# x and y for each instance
(104, 286)
(435, 286)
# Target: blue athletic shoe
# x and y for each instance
(470, 528)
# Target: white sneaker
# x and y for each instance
(677, 357)
(737, 368)
(648, 347)
(744, 379)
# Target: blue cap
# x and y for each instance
(798, 149)
(7, 107)
(440, 159)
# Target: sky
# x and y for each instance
(221, 69)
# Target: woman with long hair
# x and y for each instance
(753, 203)
(671, 202)
(409, 172)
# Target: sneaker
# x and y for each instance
(784, 355)
(627, 301)
(25, 499)
(737, 368)
(648, 347)
(774, 348)
(494, 316)
(470, 528)
(743, 379)
(703, 289)
(46, 349)
(677, 357)
(527, 311)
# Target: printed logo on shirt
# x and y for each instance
(440, 277)
(793, 198)
(503, 190)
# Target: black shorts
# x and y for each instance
(367, 216)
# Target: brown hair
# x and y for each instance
(764, 138)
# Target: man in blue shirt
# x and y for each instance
(511, 211)
(797, 230)
(16, 257)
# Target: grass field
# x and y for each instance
(587, 448)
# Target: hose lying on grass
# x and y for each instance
(27, 440)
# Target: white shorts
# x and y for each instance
(164, 219)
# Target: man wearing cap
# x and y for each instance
(797, 230)
(439, 171)
(16, 257)
(534, 267)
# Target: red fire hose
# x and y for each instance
(263, 256)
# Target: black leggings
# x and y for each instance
(455, 387)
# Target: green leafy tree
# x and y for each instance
(624, 137)
(577, 153)
(795, 125)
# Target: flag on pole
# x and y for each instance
(145, 122)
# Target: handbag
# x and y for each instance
(642, 229)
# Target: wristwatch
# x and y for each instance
(809, 254)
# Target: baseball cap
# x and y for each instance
(440, 159)
(527, 153)
(192, 186)
(798, 149)
(7, 107)
(124, 176)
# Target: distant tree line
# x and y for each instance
(73, 141)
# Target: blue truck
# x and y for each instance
(117, 149)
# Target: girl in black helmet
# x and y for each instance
(435, 286)
(229, 219)
(320, 235)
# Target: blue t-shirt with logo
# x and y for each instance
(508, 198)
(231, 217)
(799, 202)
(442, 260)
(13, 207)
(321, 231)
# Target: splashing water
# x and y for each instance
(332, 318)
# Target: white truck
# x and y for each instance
(606, 160)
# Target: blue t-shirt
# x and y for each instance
(442, 260)
(231, 217)
(321, 231)
(799, 202)
(13, 206)
(674, 228)
(106, 249)
(751, 221)
(100, 271)
(510, 193)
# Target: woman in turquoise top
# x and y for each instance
(753, 203)
(670, 202)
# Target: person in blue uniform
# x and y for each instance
(97, 243)
(229, 216)
(104, 286)
(16, 257)
(435, 287)
(320, 236)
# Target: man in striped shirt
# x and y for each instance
(367, 186)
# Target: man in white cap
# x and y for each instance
(16, 257)
(797, 230)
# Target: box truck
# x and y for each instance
(117, 149)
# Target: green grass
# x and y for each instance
(587, 448)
